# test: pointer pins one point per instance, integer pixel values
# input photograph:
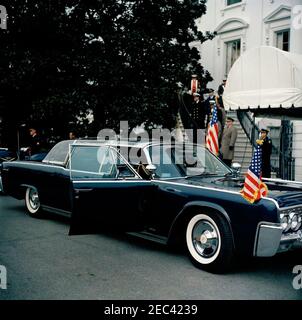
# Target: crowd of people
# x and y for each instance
(39, 145)
(201, 113)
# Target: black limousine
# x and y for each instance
(171, 193)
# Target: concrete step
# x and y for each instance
(244, 152)
(242, 138)
(244, 144)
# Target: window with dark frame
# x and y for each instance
(233, 50)
(230, 2)
(283, 40)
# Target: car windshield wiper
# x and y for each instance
(229, 174)
(204, 174)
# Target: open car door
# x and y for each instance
(106, 191)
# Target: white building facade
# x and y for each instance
(244, 24)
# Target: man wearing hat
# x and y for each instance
(229, 137)
(199, 112)
(208, 104)
(198, 115)
(266, 144)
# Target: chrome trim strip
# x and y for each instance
(113, 180)
(1, 186)
(61, 212)
(274, 201)
(299, 183)
(149, 236)
(198, 187)
(292, 207)
(61, 163)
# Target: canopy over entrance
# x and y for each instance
(267, 81)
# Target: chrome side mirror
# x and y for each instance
(236, 167)
(151, 167)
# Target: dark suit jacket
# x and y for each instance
(220, 90)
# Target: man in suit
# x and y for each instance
(229, 137)
(198, 115)
(37, 145)
(221, 88)
(199, 112)
(266, 153)
(220, 93)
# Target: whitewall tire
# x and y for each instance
(209, 242)
(32, 202)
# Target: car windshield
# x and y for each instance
(59, 153)
(174, 161)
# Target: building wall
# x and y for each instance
(297, 149)
(255, 23)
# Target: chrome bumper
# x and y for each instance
(291, 241)
(267, 239)
(270, 240)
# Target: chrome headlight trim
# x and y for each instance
(285, 223)
(296, 222)
(291, 218)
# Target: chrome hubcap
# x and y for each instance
(205, 239)
(34, 199)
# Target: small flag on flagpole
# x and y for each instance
(254, 189)
(213, 131)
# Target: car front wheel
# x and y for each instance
(32, 202)
(209, 242)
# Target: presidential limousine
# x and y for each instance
(170, 193)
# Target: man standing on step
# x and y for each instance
(266, 153)
(229, 137)
(198, 115)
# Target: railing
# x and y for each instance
(282, 162)
(287, 162)
(287, 168)
(250, 128)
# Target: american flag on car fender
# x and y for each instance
(254, 189)
(212, 136)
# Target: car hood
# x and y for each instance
(286, 193)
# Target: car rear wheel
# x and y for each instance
(209, 242)
(32, 202)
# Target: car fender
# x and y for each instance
(182, 216)
(23, 188)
